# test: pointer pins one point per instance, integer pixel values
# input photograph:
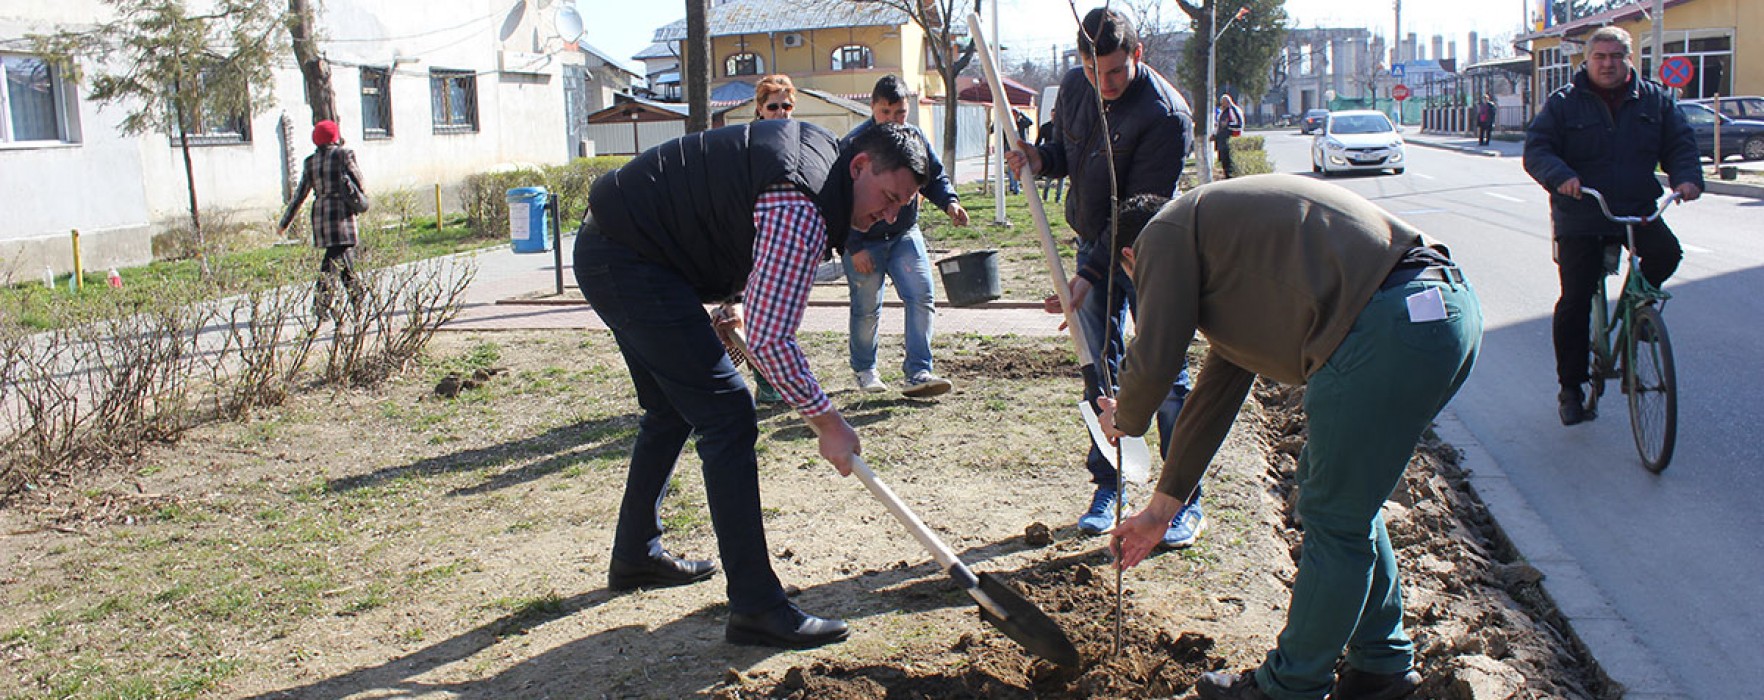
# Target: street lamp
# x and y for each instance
(1206, 153)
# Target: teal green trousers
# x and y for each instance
(1367, 407)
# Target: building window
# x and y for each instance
(454, 96)
(31, 100)
(211, 125)
(376, 103)
(1554, 70)
(743, 64)
(853, 57)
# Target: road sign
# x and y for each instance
(1677, 71)
(1396, 71)
(1399, 93)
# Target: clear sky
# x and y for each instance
(624, 27)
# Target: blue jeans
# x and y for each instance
(685, 384)
(905, 261)
(1093, 315)
(1367, 406)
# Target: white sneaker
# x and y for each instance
(925, 385)
(870, 383)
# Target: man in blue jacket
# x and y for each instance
(1607, 129)
(897, 248)
(1150, 132)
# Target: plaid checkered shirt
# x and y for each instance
(791, 237)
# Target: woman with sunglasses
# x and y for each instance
(774, 97)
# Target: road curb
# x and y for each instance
(1590, 618)
(1486, 152)
(1731, 189)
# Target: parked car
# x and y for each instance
(1744, 137)
(1738, 107)
(1355, 140)
(1313, 120)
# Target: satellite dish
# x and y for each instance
(569, 22)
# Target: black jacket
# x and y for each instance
(1152, 131)
(1575, 135)
(688, 203)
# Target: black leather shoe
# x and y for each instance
(1571, 406)
(664, 571)
(785, 627)
(1354, 684)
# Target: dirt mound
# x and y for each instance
(1012, 362)
(1474, 638)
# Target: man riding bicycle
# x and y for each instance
(1607, 129)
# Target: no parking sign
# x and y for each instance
(1677, 71)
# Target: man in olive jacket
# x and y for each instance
(1307, 283)
(1608, 130)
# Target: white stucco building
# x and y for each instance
(427, 92)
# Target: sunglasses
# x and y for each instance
(775, 106)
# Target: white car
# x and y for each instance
(1357, 140)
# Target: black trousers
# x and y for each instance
(1222, 144)
(1483, 131)
(340, 261)
(1580, 263)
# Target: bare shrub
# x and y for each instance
(392, 315)
(223, 231)
(267, 338)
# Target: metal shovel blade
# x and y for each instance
(1025, 623)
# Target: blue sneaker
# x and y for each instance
(1101, 516)
(1185, 528)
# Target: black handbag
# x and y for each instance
(354, 199)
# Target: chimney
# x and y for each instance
(1438, 47)
(1411, 47)
(1475, 56)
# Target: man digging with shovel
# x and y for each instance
(1303, 283)
(742, 213)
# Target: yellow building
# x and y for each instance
(1724, 40)
(839, 47)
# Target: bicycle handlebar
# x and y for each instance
(1659, 208)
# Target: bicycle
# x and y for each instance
(1635, 327)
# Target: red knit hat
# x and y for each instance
(324, 132)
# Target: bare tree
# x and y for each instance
(314, 69)
(698, 74)
(950, 51)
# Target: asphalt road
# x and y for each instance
(1677, 558)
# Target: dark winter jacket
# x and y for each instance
(937, 188)
(1152, 131)
(688, 203)
(1576, 135)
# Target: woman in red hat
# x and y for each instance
(334, 180)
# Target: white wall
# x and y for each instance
(125, 187)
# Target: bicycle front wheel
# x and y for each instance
(1652, 385)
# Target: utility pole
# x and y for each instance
(1659, 31)
(697, 77)
(1212, 99)
(1396, 57)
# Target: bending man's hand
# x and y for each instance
(1107, 420)
(1135, 538)
(838, 442)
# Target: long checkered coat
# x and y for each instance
(332, 224)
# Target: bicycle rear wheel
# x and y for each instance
(1653, 388)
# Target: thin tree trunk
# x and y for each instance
(698, 73)
(190, 181)
(314, 69)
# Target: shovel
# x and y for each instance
(1135, 462)
(1000, 605)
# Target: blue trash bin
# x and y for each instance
(526, 220)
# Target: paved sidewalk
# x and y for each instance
(518, 291)
(1497, 148)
